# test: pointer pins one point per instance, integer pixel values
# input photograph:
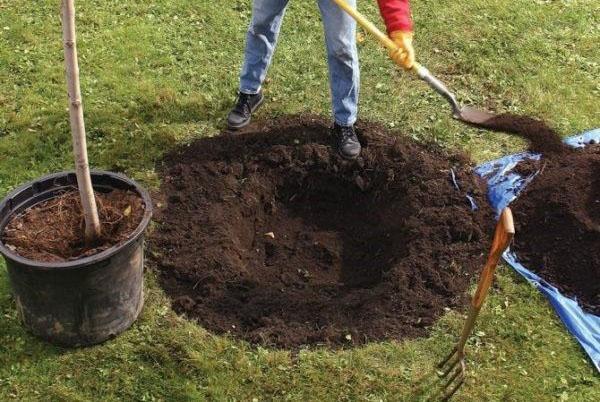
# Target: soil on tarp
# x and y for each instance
(557, 217)
(541, 137)
(272, 237)
(53, 230)
(557, 221)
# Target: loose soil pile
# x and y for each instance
(557, 218)
(53, 230)
(540, 136)
(272, 237)
(558, 224)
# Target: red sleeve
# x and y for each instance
(396, 14)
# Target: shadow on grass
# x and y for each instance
(15, 336)
(429, 387)
(168, 108)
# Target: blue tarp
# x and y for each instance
(503, 187)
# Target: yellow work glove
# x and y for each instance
(405, 55)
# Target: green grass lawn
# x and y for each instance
(157, 74)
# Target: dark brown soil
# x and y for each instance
(558, 224)
(272, 237)
(53, 231)
(558, 216)
(540, 136)
(528, 167)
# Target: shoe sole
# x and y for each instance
(348, 157)
(244, 124)
(345, 156)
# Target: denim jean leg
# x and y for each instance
(342, 57)
(261, 40)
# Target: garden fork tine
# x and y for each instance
(454, 364)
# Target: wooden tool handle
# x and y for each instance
(417, 68)
(503, 235)
(381, 37)
(367, 25)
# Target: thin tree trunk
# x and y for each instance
(84, 180)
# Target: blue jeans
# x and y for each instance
(342, 56)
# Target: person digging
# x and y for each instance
(342, 57)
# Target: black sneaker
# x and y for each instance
(242, 111)
(348, 144)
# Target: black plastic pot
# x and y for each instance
(81, 302)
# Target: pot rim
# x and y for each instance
(88, 260)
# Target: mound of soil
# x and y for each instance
(557, 221)
(541, 137)
(53, 230)
(557, 217)
(272, 237)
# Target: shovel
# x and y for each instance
(465, 114)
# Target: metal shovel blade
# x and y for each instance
(475, 117)
(466, 114)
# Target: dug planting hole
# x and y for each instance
(273, 237)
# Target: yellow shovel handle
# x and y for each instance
(418, 69)
(372, 29)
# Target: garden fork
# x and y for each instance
(454, 364)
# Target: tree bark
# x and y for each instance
(82, 169)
